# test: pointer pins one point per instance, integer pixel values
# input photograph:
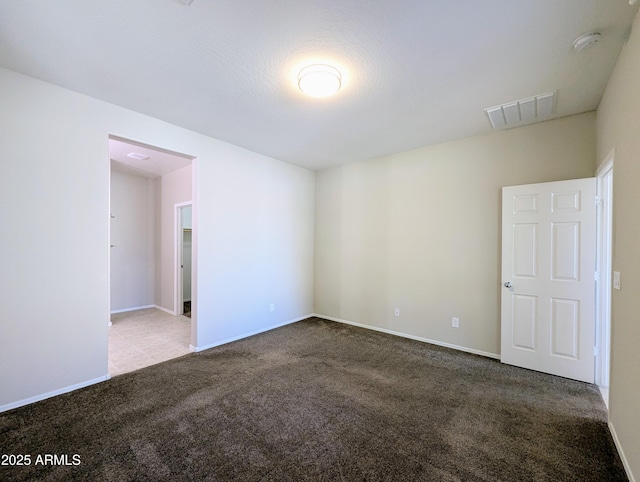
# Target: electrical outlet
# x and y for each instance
(397, 312)
(272, 307)
(616, 280)
(455, 322)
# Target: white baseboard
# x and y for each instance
(133, 308)
(37, 398)
(166, 310)
(604, 393)
(246, 335)
(412, 337)
(625, 462)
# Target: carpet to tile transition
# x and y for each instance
(318, 400)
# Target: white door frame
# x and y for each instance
(604, 177)
(179, 301)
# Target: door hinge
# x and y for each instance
(596, 276)
(598, 201)
(595, 351)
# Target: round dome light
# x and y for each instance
(319, 80)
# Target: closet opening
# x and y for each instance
(184, 257)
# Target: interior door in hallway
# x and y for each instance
(548, 275)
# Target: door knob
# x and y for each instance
(508, 284)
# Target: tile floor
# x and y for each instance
(145, 337)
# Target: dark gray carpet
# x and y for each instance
(318, 400)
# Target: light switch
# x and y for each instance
(616, 280)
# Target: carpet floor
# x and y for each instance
(318, 400)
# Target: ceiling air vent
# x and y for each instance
(521, 112)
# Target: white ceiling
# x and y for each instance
(415, 72)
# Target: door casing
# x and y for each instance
(604, 266)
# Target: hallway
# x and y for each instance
(145, 337)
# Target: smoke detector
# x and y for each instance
(586, 40)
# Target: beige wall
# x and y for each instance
(420, 230)
(618, 126)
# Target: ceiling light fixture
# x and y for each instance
(138, 157)
(319, 80)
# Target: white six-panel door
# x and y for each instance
(548, 268)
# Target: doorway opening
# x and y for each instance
(604, 279)
(147, 324)
(184, 257)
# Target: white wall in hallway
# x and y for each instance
(133, 207)
(172, 188)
